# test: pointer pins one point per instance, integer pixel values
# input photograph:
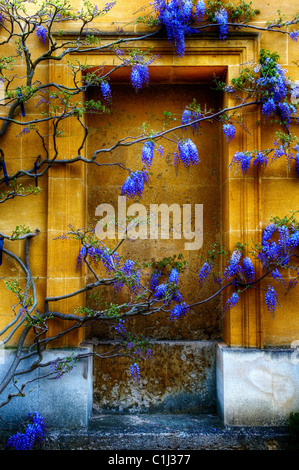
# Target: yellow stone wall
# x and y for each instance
(247, 203)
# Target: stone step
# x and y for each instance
(153, 432)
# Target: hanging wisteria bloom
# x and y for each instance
(229, 130)
(160, 151)
(260, 160)
(242, 160)
(195, 117)
(139, 76)
(277, 276)
(278, 252)
(42, 34)
(178, 311)
(108, 6)
(161, 292)
(286, 111)
(155, 278)
(106, 91)
(174, 276)
(121, 328)
(221, 18)
(129, 275)
(233, 266)
(34, 432)
(268, 232)
(148, 153)
(96, 254)
(248, 269)
(269, 108)
(176, 15)
(232, 301)
(186, 118)
(271, 299)
(294, 35)
(204, 272)
(187, 153)
(278, 153)
(200, 10)
(168, 294)
(273, 88)
(134, 184)
(135, 371)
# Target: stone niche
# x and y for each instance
(181, 378)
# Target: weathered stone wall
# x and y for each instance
(70, 194)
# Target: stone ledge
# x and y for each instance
(164, 433)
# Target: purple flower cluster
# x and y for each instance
(42, 34)
(294, 35)
(108, 6)
(61, 367)
(134, 184)
(155, 279)
(128, 274)
(273, 87)
(187, 153)
(277, 276)
(204, 272)
(286, 111)
(176, 16)
(139, 76)
(242, 160)
(229, 130)
(98, 253)
(168, 294)
(248, 269)
(161, 291)
(160, 151)
(200, 10)
(178, 311)
(221, 17)
(106, 91)
(186, 117)
(269, 108)
(277, 253)
(260, 160)
(232, 301)
(233, 266)
(120, 328)
(135, 371)
(189, 116)
(195, 116)
(148, 153)
(271, 298)
(174, 276)
(34, 432)
(140, 350)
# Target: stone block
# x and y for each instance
(256, 387)
(64, 402)
(179, 379)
